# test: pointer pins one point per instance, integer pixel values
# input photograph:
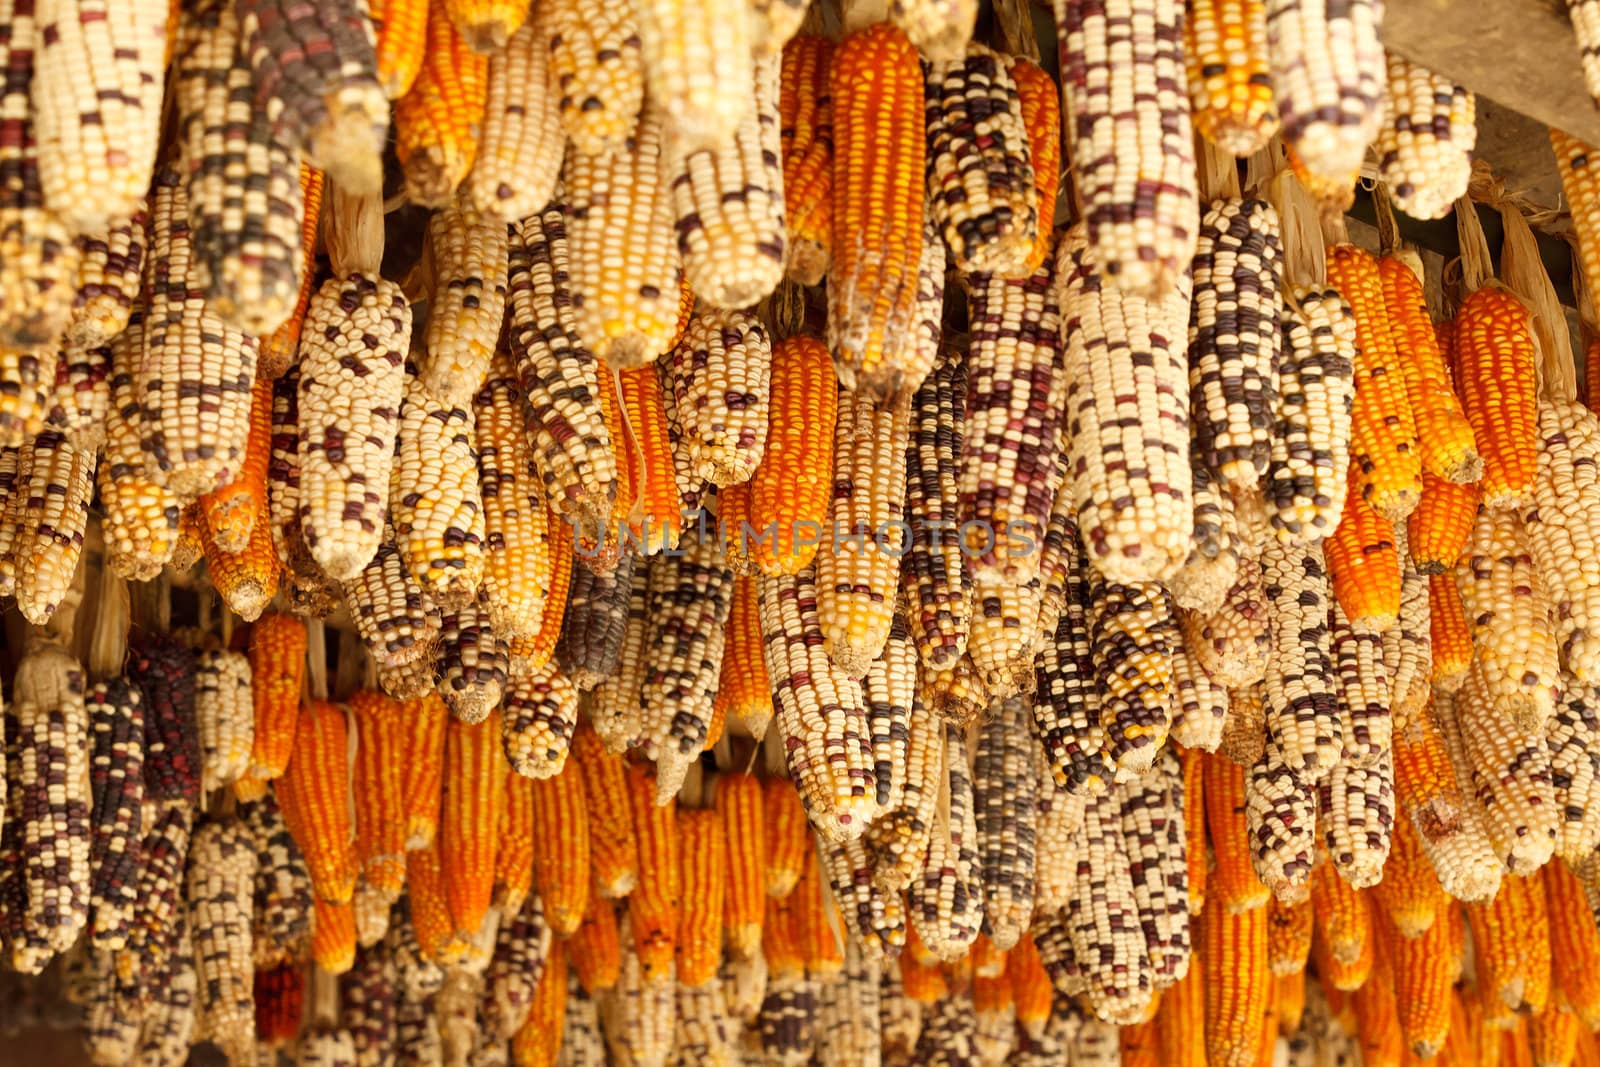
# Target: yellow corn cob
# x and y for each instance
(1444, 437)
(47, 514)
(1495, 370)
(434, 500)
(36, 247)
(596, 63)
(376, 789)
(400, 28)
(1289, 932)
(530, 654)
(653, 905)
(1363, 565)
(469, 301)
(613, 851)
(697, 67)
(791, 489)
(439, 119)
(656, 518)
(742, 688)
(876, 92)
(624, 260)
(729, 203)
(486, 25)
(561, 843)
(1425, 144)
(423, 768)
(1140, 202)
(1409, 895)
(857, 566)
(703, 852)
(351, 383)
(1507, 604)
(805, 109)
(1134, 510)
(788, 836)
(518, 558)
(314, 792)
(1574, 161)
(519, 156)
(1383, 427)
(1328, 77)
(981, 185)
(1230, 89)
(821, 710)
(471, 811)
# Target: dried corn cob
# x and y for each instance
(1450, 834)
(1312, 435)
(688, 603)
(352, 378)
(1438, 530)
(703, 853)
(740, 804)
(487, 25)
(1234, 337)
(946, 901)
(935, 578)
(170, 1022)
(855, 585)
(1568, 736)
(380, 819)
(596, 63)
(1301, 683)
(277, 671)
(232, 510)
(820, 710)
(1280, 821)
(473, 663)
(1409, 895)
(656, 518)
(1364, 693)
(1426, 141)
(980, 169)
(40, 258)
(1152, 828)
(164, 672)
(573, 450)
(653, 905)
(1510, 937)
(1119, 345)
(696, 67)
(1202, 583)
(1200, 704)
(624, 263)
(875, 88)
(899, 837)
(279, 349)
(1004, 787)
(224, 712)
(1363, 565)
(1230, 89)
(540, 713)
(393, 615)
(1444, 437)
(1141, 209)
(613, 850)
(1356, 809)
(720, 379)
(1233, 883)
(1573, 941)
(81, 397)
(1132, 634)
(48, 512)
(1505, 599)
(1494, 344)
(139, 523)
(1107, 940)
(109, 268)
(221, 870)
(471, 810)
(280, 914)
(743, 690)
(1041, 119)
(439, 119)
(561, 847)
(433, 496)
(729, 200)
(469, 300)
(1328, 77)
(26, 375)
(320, 66)
(243, 191)
(1511, 780)
(314, 792)
(116, 779)
(805, 108)
(890, 688)
(52, 801)
(791, 489)
(1556, 527)
(422, 767)
(596, 949)
(1067, 702)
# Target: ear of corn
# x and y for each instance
(595, 57)
(1128, 465)
(434, 499)
(934, 574)
(1301, 683)
(1557, 525)
(1494, 343)
(469, 299)
(1132, 633)
(1425, 145)
(48, 512)
(314, 793)
(653, 905)
(220, 873)
(1140, 203)
(720, 374)
(1107, 941)
(945, 901)
(791, 488)
(439, 119)
(393, 615)
(880, 151)
(900, 835)
(696, 66)
(1152, 816)
(1230, 87)
(561, 849)
(1438, 530)
(472, 807)
(1312, 433)
(805, 115)
(1067, 701)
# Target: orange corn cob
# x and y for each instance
(596, 949)
(561, 849)
(437, 122)
(1444, 437)
(246, 580)
(1041, 115)
(532, 652)
(791, 490)
(703, 852)
(1289, 929)
(513, 860)
(879, 146)
(469, 819)
(376, 786)
(430, 908)
(1364, 565)
(281, 346)
(743, 689)
(1346, 977)
(1495, 354)
(1233, 883)
(314, 793)
(1383, 430)
(402, 32)
(1438, 530)
(1449, 634)
(422, 773)
(1342, 920)
(1553, 1037)
(232, 511)
(1233, 952)
(1194, 827)
(1181, 1018)
(1511, 945)
(1409, 895)
(1423, 977)
(277, 673)
(653, 905)
(629, 482)
(486, 25)
(537, 1042)
(613, 851)
(788, 835)
(818, 945)
(743, 812)
(657, 521)
(1591, 373)
(333, 936)
(1377, 1020)
(805, 112)
(780, 940)
(1031, 990)
(1574, 942)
